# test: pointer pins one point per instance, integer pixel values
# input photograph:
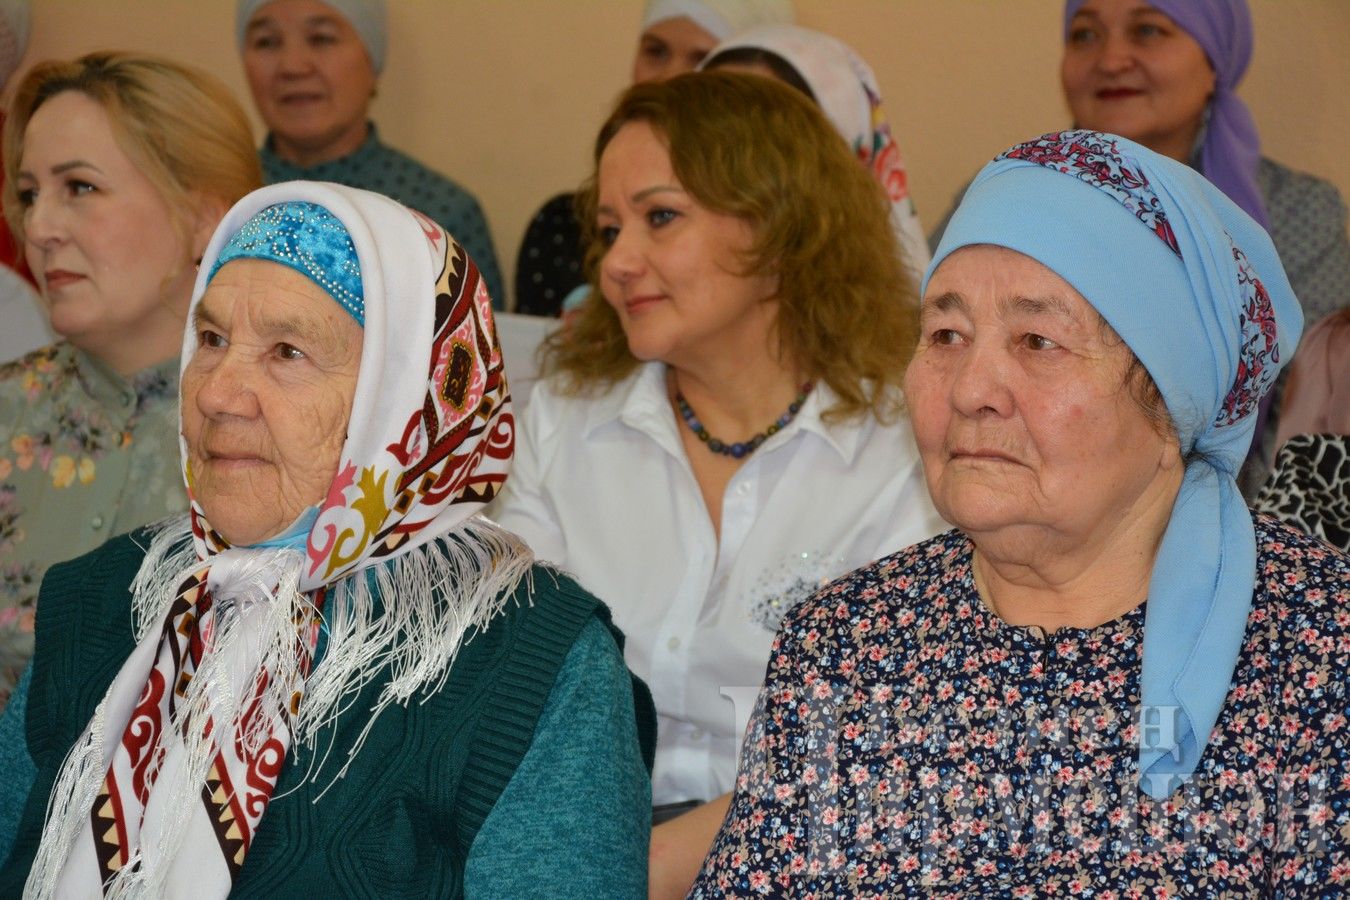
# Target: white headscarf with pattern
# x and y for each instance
(847, 92)
(230, 637)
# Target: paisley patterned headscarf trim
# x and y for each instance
(309, 239)
(847, 91)
(1195, 289)
(1230, 150)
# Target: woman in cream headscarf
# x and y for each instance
(676, 36)
(411, 708)
(829, 72)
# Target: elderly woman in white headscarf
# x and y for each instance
(676, 37)
(331, 676)
(828, 71)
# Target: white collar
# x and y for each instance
(640, 402)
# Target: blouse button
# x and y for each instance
(673, 644)
(96, 522)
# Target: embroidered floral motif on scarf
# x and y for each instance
(1258, 362)
(883, 156)
(464, 407)
(1096, 159)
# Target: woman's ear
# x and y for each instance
(206, 215)
(1172, 457)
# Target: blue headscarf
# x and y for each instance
(1195, 289)
(1231, 148)
(309, 239)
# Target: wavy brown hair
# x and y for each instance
(754, 148)
(179, 125)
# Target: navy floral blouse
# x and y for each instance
(908, 742)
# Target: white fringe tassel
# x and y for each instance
(68, 807)
(411, 614)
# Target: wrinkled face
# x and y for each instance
(671, 270)
(267, 397)
(671, 47)
(1130, 70)
(98, 234)
(1018, 400)
(311, 78)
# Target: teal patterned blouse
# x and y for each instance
(85, 455)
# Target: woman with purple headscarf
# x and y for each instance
(1165, 73)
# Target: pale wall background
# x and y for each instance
(505, 96)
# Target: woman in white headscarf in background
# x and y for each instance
(313, 68)
(829, 72)
(676, 36)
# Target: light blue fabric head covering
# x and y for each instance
(366, 16)
(1195, 289)
(309, 239)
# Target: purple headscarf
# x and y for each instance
(1232, 147)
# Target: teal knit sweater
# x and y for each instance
(521, 777)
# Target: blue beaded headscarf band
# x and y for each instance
(309, 239)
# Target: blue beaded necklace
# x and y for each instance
(742, 448)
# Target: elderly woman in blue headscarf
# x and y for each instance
(1109, 678)
(332, 677)
(1165, 73)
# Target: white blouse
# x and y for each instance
(601, 486)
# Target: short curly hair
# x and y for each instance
(751, 147)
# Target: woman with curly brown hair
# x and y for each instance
(721, 430)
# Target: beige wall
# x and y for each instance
(505, 95)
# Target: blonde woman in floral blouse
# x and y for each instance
(117, 169)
